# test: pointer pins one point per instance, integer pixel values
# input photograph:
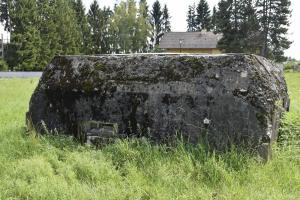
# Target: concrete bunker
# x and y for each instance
(229, 99)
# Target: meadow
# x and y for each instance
(56, 167)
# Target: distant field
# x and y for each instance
(58, 168)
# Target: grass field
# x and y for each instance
(58, 168)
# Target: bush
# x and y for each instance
(289, 66)
(3, 65)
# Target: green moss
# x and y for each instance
(87, 86)
(195, 63)
(191, 60)
(85, 71)
(100, 67)
(172, 75)
(279, 103)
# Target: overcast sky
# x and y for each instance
(178, 10)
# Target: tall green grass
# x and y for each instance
(59, 168)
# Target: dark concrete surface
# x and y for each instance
(221, 100)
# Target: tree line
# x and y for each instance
(247, 26)
(41, 29)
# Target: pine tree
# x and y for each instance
(249, 27)
(253, 27)
(84, 29)
(264, 7)
(24, 16)
(106, 14)
(166, 25)
(41, 29)
(99, 22)
(28, 53)
(156, 23)
(225, 26)
(231, 22)
(67, 28)
(94, 20)
(278, 32)
(203, 18)
(214, 19)
(191, 19)
(47, 26)
(4, 14)
(274, 19)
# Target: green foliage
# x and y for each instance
(290, 130)
(289, 65)
(214, 19)
(258, 27)
(3, 65)
(94, 16)
(67, 28)
(140, 42)
(41, 29)
(10, 55)
(24, 17)
(191, 19)
(56, 167)
(160, 23)
(274, 18)
(156, 23)
(166, 24)
(48, 33)
(237, 21)
(4, 14)
(125, 22)
(203, 18)
(98, 20)
(85, 39)
(199, 17)
(230, 39)
(249, 28)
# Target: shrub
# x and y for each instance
(3, 65)
(290, 65)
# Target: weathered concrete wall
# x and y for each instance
(223, 100)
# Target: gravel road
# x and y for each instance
(20, 74)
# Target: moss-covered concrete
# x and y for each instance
(227, 99)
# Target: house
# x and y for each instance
(191, 42)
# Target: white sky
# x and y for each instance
(178, 10)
